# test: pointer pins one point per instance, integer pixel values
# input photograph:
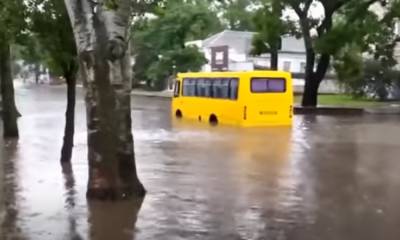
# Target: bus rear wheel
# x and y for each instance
(178, 113)
(213, 120)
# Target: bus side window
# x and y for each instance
(185, 89)
(225, 88)
(177, 88)
(200, 89)
(233, 89)
(195, 82)
(208, 87)
(216, 87)
(192, 87)
(189, 87)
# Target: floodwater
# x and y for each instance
(324, 178)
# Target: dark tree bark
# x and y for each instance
(314, 77)
(68, 144)
(310, 95)
(103, 48)
(277, 12)
(274, 59)
(10, 113)
(37, 72)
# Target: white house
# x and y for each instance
(292, 56)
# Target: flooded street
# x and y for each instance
(325, 178)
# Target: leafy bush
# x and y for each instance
(369, 78)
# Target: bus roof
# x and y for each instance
(230, 74)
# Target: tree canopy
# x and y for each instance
(159, 43)
(343, 22)
(51, 28)
(12, 19)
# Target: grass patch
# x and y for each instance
(343, 101)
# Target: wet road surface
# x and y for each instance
(325, 178)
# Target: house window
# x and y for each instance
(286, 66)
(302, 67)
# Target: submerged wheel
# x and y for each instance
(178, 113)
(213, 119)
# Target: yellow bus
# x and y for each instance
(249, 99)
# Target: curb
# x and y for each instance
(151, 94)
(383, 111)
(328, 111)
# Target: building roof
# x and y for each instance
(241, 42)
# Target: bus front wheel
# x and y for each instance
(178, 113)
(213, 120)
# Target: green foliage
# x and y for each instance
(111, 4)
(12, 19)
(159, 43)
(375, 79)
(237, 15)
(343, 24)
(350, 70)
(270, 27)
(31, 51)
(187, 59)
(51, 31)
(354, 36)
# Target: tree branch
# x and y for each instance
(329, 9)
(307, 6)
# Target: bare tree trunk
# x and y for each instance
(277, 12)
(310, 95)
(274, 59)
(313, 80)
(37, 72)
(101, 37)
(10, 113)
(66, 151)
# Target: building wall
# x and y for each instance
(291, 62)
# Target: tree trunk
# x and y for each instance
(274, 59)
(66, 151)
(277, 12)
(10, 113)
(310, 95)
(37, 72)
(102, 43)
(313, 80)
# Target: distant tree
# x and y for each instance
(343, 22)
(370, 79)
(270, 28)
(51, 27)
(12, 23)
(33, 54)
(159, 43)
(237, 14)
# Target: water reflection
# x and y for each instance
(242, 182)
(113, 220)
(70, 201)
(10, 228)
